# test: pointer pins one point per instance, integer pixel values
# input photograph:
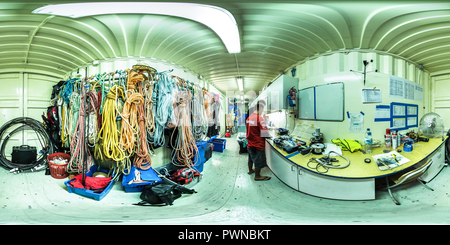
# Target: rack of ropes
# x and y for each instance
(121, 117)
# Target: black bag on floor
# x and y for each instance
(163, 192)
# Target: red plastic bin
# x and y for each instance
(58, 171)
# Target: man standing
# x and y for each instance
(256, 132)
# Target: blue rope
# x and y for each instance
(67, 91)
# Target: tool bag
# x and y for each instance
(184, 175)
(165, 192)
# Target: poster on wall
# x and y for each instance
(401, 88)
(371, 96)
(382, 113)
(355, 123)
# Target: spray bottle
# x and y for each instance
(387, 140)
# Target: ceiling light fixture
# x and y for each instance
(240, 83)
(220, 20)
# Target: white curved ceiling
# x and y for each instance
(274, 36)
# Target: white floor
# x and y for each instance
(226, 195)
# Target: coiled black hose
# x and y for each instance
(43, 137)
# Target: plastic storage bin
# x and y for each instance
(208, 151)
(149, 175)
(58, 171)
(219, 144)
(199, 158)
(90, 193)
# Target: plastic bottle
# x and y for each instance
(387, 140)
(399, 139)
(394, 140)
(368, 141)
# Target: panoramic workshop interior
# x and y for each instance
(104, 101)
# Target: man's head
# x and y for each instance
(260, 105)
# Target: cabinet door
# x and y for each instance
(282, 168)
(437, 165)
(336, 188)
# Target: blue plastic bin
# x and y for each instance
(199, 158)
(219, 144)
(149, 175)
(89, 193)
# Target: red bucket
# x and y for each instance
(58, 171)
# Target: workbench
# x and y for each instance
(355, 182)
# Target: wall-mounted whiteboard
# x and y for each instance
(322, 102)
(306, 103)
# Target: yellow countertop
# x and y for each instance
(358, 169)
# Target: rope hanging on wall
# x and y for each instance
(78, 141)
(185, 144)
(129, 113)
(109, 133)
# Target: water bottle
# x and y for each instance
(368, 141)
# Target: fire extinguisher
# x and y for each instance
(291, 96)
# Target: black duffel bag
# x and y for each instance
(165, 192)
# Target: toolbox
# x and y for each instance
(24, 154)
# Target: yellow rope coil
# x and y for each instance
(109, 134)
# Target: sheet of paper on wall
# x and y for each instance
(418, 92)
(371, 95)
(382, 113)
(404, 89)
(356, 123)
(388, 161)
(412, 110)
(396, 87)
(398, 110)
(412, 121)
(398, 123)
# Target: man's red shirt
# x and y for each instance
(255, 125)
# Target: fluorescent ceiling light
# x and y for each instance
(240, 84)
(220, 20)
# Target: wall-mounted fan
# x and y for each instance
(431, 125)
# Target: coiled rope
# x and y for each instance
(43, 137)
(109, 134)
(164, 113)
(142, 159)
(78, 143)
(199, 127)
(185, 145)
